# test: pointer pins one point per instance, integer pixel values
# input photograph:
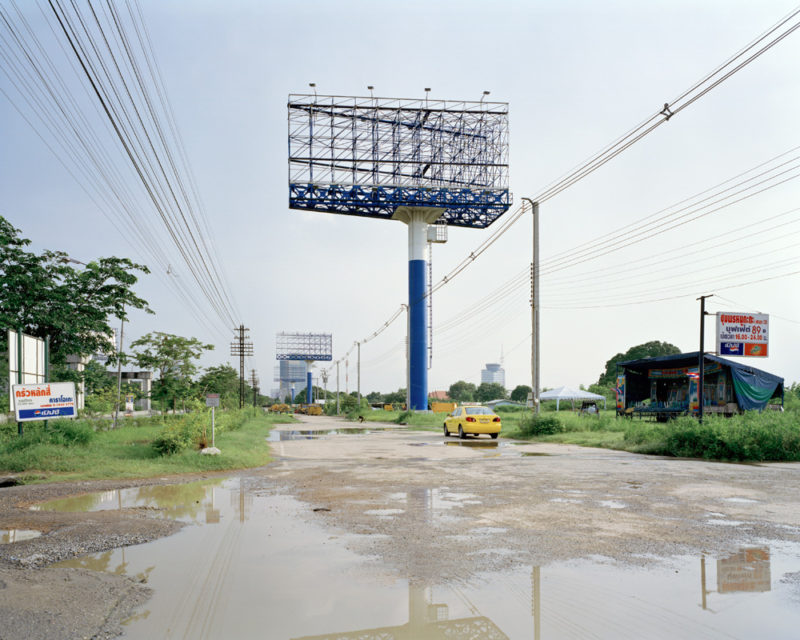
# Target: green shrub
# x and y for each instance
(540, 425)
(171, 440)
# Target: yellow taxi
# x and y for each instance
(466, 419)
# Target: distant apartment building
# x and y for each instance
(494, 372)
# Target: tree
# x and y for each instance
(224, 380)
(173, 357)
(395, 397)
(462, 391)
(43, 295)
(520, 393)
(489, 391)
(375, 397)
(649, 349)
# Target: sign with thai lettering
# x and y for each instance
(212, 400)
(742, 334)
(44, 401)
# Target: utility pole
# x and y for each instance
(337, 387)
(254, 384)
(535, 358)
(119, 373)
(241, 346)
(324, 374)
(408, 361)
(702, 356)
(358, 373)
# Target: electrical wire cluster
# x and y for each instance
(134, 165)
(743, 187)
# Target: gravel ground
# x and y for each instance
(425, 507)
(52, 604)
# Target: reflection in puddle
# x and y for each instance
(282, 435)
(265, 566)
(7, 536)
(475, 444)
(189, 502)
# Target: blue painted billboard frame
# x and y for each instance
(462, 207)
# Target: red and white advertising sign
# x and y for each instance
(742, 334)
(44, 401)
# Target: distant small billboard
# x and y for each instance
(742, 334)
(44, 401)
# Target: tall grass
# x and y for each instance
(750, 436)
(63, 452)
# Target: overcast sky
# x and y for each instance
(576, 76)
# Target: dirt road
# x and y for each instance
(429, 508)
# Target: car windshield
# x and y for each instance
(478, 411)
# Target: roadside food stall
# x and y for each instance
(667, 386)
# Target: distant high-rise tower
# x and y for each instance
(494, 372)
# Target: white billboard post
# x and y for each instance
(742, 334)
(27, 363)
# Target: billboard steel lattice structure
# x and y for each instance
(367, 156)
(304, 346)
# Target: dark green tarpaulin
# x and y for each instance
(753, 390)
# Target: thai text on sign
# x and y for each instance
(742, 334)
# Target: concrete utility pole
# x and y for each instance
(119, 373)
(337, 387)
(254, 383)
(358, 373)
(535, 348)
(241, 346)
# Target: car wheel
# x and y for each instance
(446, 432)
(494, 435)
(461, 433)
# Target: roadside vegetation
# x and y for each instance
(140, 447)
(752, 436)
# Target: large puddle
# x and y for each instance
(254, 567)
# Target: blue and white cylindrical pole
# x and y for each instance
(417, 219)
(309, 390)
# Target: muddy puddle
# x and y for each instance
(264, 566)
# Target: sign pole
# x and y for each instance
(19, 372)
(47, 365)
(702, 356)
(212, 425)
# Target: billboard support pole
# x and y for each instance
(417, 219)
(309, 383)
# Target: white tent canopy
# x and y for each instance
(568, 393)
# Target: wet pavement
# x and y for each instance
(469, 539)
(255, 562)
